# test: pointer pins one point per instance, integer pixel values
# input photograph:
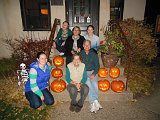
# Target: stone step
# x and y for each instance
(103, 96)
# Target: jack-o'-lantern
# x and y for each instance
(57, 73)
(102, 72)
(58, 85)
(117, 86)
(103, 85)
(114, 72)
(58, 61)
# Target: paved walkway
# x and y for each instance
(145, 108)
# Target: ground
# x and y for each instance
(142, 108)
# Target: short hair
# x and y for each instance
(87, 41)
(66, 22)
(40, 53)
(90, 26)
(77, 54)
(77, 28)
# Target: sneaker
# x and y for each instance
(61, 54)
(93, 108)
(97, 105)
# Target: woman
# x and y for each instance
(62, 35)
(95, 42)
(36, 90)
(74, 44)
(76, 77)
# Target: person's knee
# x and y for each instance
(86, 88)
(50, 101)
(36, 105)
(72, 89)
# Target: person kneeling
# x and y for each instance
(76, 77)
(36, 90)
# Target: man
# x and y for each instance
(90, 59)
(76, 77)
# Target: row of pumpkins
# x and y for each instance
(59, 85)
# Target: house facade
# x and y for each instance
(17, 21)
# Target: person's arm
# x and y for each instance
(59, 34)
(97, 43)
(84, 79)
(96, 64)
(68, 79)
(33, 83)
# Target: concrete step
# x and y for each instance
(103, 96)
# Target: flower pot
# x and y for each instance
(109, 60)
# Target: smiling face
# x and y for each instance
(76, 31)
(87, 45)
(76, 60)
(42, 60)
(90, 30)
(65, 26)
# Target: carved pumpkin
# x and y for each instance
(103, 85)
(58, 85)
(102, 72)
(58, 61)
(117, 86)
(114, 72)
(57, 73)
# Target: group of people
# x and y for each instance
(82, 65)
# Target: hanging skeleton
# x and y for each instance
(22, 75)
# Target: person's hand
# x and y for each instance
(48, 63)
(78, 85)
(92, 76)
(72, 82)
(63, 43)
(42, 98)
(54, 45)
(79, 49)
(72, 52)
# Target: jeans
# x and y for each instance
(35, 101)
(93, 87)
(72, 89)
(58, 45)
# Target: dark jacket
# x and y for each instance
(69, 44)
(91, 61)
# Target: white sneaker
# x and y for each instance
(97, 105)
(61, 54)
(93, 108)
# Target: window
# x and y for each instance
(116, 9)
(35, 15)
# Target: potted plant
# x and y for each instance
(111, 48)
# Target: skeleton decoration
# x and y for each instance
(22, 75)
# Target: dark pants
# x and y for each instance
(58, 45)
(35, 101)
(72, 89)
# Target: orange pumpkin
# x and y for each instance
(117, 86)
(58, 61)
(114, 72)
(102, 72)
(58, 85)
(103, 85)
(57, 73)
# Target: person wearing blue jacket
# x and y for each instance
(36, 90)
(76, 77)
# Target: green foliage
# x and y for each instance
(143, 50)
(112, 43)
(10, 112)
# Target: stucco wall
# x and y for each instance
(134, 8)
(11, 23)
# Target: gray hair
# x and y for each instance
(87, 41)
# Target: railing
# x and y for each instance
(50, 41)
(115, 25)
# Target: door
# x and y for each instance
(83, 13)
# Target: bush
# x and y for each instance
(25, 50)
(143, 50)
